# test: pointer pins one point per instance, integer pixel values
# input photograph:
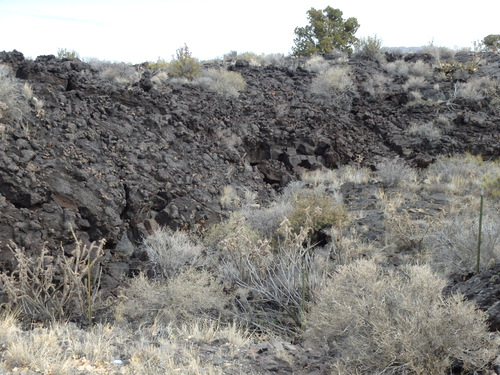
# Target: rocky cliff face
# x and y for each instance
(115, 160)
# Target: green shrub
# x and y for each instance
(492, 42)
(160, 64)
(184, 65)
(67, 54)
(379, 321)
(317, 210)
(327, 31)
(451, 67)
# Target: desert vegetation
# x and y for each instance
(16, 101)
(121, 73)
(346, 258)
(301, 268)
(65, 53)
(327, 31)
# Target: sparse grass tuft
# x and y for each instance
(267, 220)
(377, 85)
(158, 349)
(330, 180)
(438, 52)
(160, 78)
(460, 175)
(475, 89)
(219, 233)
(120, 73)
(398, 68)
(453, 242)
(277, 282)
(160, 64)
(229, 197)
(421, 69)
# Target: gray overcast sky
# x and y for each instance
(138, 31)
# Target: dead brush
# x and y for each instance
(378, 321)
(50, 288)
(281, 284)
(406, 232)
(452, 243)
(406, 228)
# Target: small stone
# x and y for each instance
(125, 248)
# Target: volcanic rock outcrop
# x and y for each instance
(114, 160)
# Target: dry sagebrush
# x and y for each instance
(376, 321)
(460, 175)
(171, 251)
(121, 73)
(14, 100)
(279, 279)
(222, 82)
(335, 86)
(453, 242)
(395, 172)
(185, 297)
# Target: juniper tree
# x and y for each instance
(327, 31)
